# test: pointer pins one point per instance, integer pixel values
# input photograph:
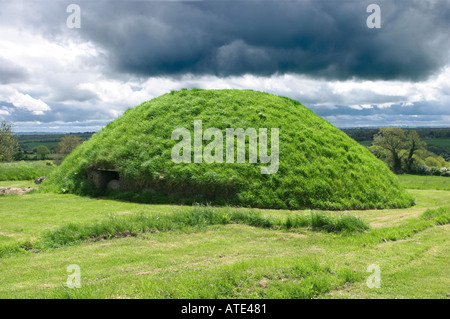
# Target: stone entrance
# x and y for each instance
(104, 178)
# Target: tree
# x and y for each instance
(19, 156)
(8, 142)
(394, 140)
(413, 143)
(42, 151)
(68, 144)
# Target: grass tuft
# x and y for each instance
(441, 215)
(193, 219)
(197, 217)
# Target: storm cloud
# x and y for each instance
(319, 52)
(320, 38)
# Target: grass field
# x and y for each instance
(366, 143)
(17, 171)
(425, 182)
(443, 143)
(19, 184)
(30, 141)
(192, 253)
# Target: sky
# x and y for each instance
(58, 78)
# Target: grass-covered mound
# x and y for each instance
(319, 166)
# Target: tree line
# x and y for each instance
(405, 152)
(10, 149)
(367, 134)
(402, 150)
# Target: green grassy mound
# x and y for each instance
(319, 166)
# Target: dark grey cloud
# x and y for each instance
(319, 38)
(73, 94)
(10, 72)
(412, 109)
(417, 114)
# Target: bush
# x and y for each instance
(435, 171)
(445, 171)
(420, 168)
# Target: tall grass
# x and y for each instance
(193, 219)
(441, 215)
(430, 218)
(424, 182)
(17, 171)
(196, 218)
(321, 221)
(199, 217)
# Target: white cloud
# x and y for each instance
(20, 100)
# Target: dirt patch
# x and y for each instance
(14, 190)
(5, 234)
(263, 283)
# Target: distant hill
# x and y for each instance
(29, 141)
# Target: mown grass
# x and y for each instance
(226, 261)
(409, 227)
(443, 143)
(414, 268)
(193, 219)
(282, 256)
(19, 171)
(18, 184)
(320, 167)
(200, 217)
(25, 217)
(197, 218)
(424, 182)
(293, 278)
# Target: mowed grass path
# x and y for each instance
(425, 182)
(222, 261)
(24, 217)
